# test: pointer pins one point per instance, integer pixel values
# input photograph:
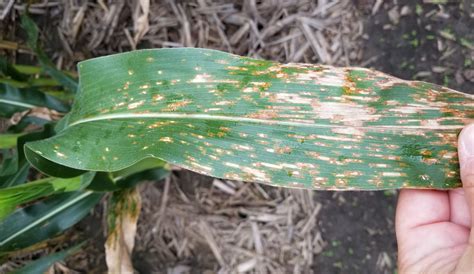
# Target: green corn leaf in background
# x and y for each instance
(9, 140)
(12, 164)
(148, 169)
(13, 196)
(42, 265)
(14, 99)
(8, 70)
(32, 32)
(45, 219)
(292, 125)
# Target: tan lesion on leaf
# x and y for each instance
(126, 85)
(232, 176)
(60, 154)
(263, 114)
(166, 139)
(201, 78)
(206, 170)
(334, 76)
(176, 105)
(378, 165)
(136, 104)
(254, 174)
(250, 89)
(348, 113)
(319, 181)
(291, 98)
(240, 147)
(283, 150)
(160, 124)
(310, 166)
(341, 182)
(213, 157)
(236, 68)
(157, 97)
(352, 173)
(224, 103)
(393, 174)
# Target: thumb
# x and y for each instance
(466, 162)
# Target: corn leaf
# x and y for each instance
(146, 170)
(9, 140)
(45, 219)
(8, 70)
(12, 164)
(32, 32)
(14, 99)
(292, 125)
(12, 197)
(122, 226)
(43, 264)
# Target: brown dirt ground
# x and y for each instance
(351, 232)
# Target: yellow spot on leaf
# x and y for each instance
(166, 139)
(135, 105)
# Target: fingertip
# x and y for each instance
(466, 155)
(466, 144)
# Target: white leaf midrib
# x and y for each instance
(45, 217)
(16, 103)
(198, 116)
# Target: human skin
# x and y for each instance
(433, 227)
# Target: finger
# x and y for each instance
(466, 162)
(460, 213)
(420, 207)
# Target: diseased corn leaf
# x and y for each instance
(293, 125)
(45, 219)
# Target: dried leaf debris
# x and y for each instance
(295, 31)
(246, 227)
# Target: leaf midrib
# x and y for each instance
(45, 217)
(16, 103)
(197, 116)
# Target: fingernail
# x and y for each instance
(466, 146)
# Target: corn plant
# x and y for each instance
(226, 116)
(35, 207)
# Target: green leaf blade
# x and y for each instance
(293, 125)
(14, 99)
(45, 219)
(11, 197)
(32, 32)
(41, 265)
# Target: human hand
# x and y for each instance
(433, 227)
